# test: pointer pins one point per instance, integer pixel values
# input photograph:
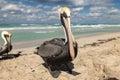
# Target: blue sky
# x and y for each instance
(46, 11)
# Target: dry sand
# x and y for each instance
(98, 59)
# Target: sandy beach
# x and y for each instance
(98, 59)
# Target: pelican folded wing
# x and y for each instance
(49, 50)
(3, 50)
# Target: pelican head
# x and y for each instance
(65, 11)
(65, 16)
(6, 36)
(5, 33)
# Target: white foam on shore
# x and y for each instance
(27, 27)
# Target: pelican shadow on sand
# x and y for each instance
(10, 56)
(57, 69)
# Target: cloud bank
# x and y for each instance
(46, 11)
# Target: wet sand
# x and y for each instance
(98, 59)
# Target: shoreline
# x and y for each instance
(82, 39)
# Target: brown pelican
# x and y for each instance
(6, 47)
(60, 50)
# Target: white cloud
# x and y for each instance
(97, 8)
(77, 3)
(10, 7)
(114, 11)
(28, 11)
(5, 15)
(94, 14)
(12, 12)
(77, 9)
(98, 2)
(55, 8)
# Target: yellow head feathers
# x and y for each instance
(65, 10)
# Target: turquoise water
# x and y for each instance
(27, 32)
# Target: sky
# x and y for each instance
(46, 11)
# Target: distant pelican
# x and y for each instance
(59, 50)
(6, 47)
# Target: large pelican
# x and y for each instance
(6, 47)
(60, 50)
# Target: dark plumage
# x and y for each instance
(56, 52)
(5, 49)
(59, 50)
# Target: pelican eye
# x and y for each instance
(6, 35)
(65, 15)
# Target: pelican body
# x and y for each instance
(6, 47)
(60, 50)
(56, 52)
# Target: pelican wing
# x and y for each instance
(49, 50)
(3, 50)
(52, 48)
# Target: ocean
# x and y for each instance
(28, 32)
